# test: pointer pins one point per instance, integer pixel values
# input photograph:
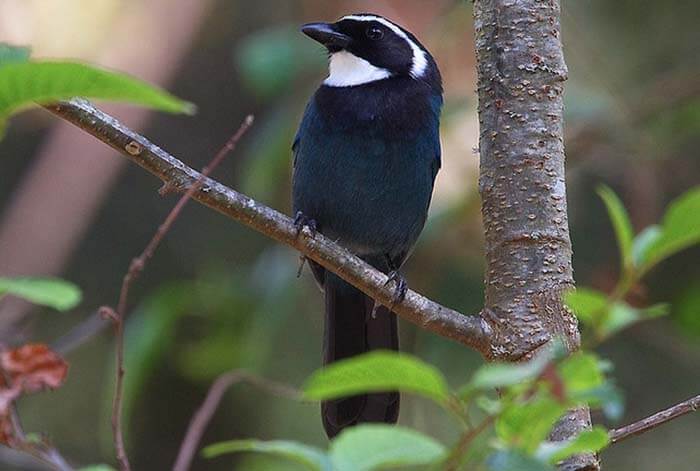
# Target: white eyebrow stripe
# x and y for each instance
(420, 61)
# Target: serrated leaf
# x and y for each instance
(588, 441)
(621, 223)
(680, 228)
(375, 372)
(26, 83)
(526, 425)
(311, 457)
(512, 460)
(10, 54)
(377, 446)
(52, 292)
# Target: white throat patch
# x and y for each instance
(420, 60)
(348, 70)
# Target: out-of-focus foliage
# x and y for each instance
(523, 414)
(25, 82)
(52, 292)
(11, 54)
(271, 60)
(632, 121)
(312, 458)
(680, 229)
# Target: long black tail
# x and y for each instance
(351, 330)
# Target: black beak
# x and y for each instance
(326, 34)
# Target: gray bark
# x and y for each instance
(521, 71)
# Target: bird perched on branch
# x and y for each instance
(365, 159)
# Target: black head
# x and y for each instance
(366, 47)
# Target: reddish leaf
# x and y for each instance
(33, 367)
(27, 369)
(7, 436)
(556, 384)
(6, 428)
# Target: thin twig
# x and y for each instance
(201, 418)
(453, 462)
(472, 331)
(40, 450)
(135, 268)
(79, 334)
(653, 421)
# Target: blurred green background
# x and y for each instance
(217, 296)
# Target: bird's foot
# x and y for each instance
(400, 289)
(301, 221)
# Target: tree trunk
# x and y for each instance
(521, 71)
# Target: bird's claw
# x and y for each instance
(301, 221)
(400, 289)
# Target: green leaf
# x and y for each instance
(489, 405)
(23, 84)
(621, 223)
(686, 307)
(680, 228)
(588, 441)
(589, 305)
(512, 460)
(622, 315)
(51, 292)
(581, 372)
(378, 446)
(645, 239)
(374, 372)
(97, 467)
(593, 309)
(496, 375)
(605, 396)
(311, 457)
(585, 383)
(9, 54)
(526, 425)
(149, 336)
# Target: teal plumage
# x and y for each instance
(365, 160)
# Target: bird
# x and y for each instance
(365, 158)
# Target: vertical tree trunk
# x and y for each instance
(521, 71)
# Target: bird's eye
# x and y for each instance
(375, 33)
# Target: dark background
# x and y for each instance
(218, 296)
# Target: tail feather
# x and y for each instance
(351, 330)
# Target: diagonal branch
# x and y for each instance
(653, 421)
(472, 331)
(206, 411)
